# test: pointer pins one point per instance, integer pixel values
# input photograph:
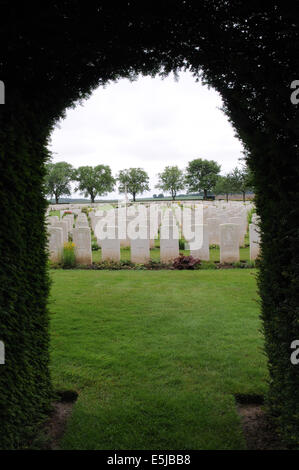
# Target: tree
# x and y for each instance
(172, 180)
(94, 181)
(224, 185)
(58, 180)
(241, 180)
(133, 181)
(202, 175)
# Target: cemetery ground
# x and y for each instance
(155, 254)
(156, 356)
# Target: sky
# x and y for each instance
(149, 123)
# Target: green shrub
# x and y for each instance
(113, 265)
(85, 210)
(182, 242)
(94, 245)
(250, 214)
(244, 264)
(68, 255)
(156, 264)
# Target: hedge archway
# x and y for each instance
(56, 55)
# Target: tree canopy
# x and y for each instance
(241, 180)
(202, 175)
(171, 180)
(94, 181)
(57, 179)
(224, 185)
(133, 181)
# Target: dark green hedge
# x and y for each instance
(24, 379)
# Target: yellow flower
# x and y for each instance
(69, 245)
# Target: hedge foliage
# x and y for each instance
(58, 53)
(25, 387)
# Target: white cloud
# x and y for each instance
(148, 123)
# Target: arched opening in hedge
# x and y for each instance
(56, 56)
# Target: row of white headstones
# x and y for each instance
(138, 226)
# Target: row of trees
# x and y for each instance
(92, 181)
(200, 176)
(203, 175)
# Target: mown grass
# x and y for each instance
(55, 213)
(156, 356)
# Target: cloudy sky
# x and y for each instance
(149, 123)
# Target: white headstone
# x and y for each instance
(110, 249)
(140, 250)
(55, 245)
(213, 228)
(254, 239)
(65, 228)
(229, 243)
(82, 241)
(52, 219)
(69, 220)
(239, 221)
(203, 252)
(169, 243)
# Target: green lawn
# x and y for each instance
(55, 213)
(156, 356)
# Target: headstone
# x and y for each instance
(213, 228)
(55, 237)
(229, 243)
(239, 221)
(110, 249)
(123, 231)
(52, 219)
(82, 241)
(69, 221)
(203, 252)
(140, 250)
(169, 243)
(82, 221)
(70, 217)
(254, 239)
(65, 227)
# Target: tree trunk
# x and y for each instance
(56, 199)
(244, 196)
(226, 197)
(205, 194)
(134, 197)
